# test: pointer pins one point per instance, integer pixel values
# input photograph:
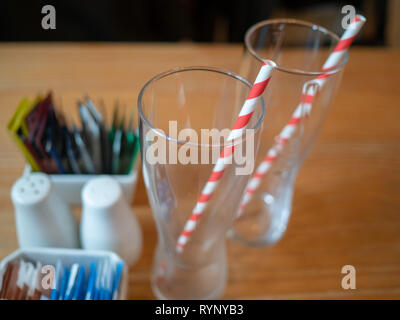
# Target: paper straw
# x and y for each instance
(242, 120)
(305, 105)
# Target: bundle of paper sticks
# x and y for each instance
(25, 280)
(54, 144)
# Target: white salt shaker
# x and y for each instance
(108, 222)
(42, 218)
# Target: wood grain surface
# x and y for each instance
(347, 198)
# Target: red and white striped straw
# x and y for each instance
(242, 120)
(305, 105)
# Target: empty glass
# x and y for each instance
(299, 49)
(175, 108)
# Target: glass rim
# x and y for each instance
(297, 22)
(175, 70)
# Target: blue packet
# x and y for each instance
(90, 291)
(55, 291)
(63, 284)
(71, 281)
(98, 292)
(117, 280)
(78, 289)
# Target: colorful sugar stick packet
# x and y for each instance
(55, 144)
(55, 288)
(90, 290)
(117, 280)
(79, 285)
(25, 280)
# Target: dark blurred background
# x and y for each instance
(185, 20)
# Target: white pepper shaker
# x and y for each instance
(42, 218)
(108, 222)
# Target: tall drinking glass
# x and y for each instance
(299, 49)
(183, 113)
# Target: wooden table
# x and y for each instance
(347, 199)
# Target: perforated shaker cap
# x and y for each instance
(101, 192)
(31, 189)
